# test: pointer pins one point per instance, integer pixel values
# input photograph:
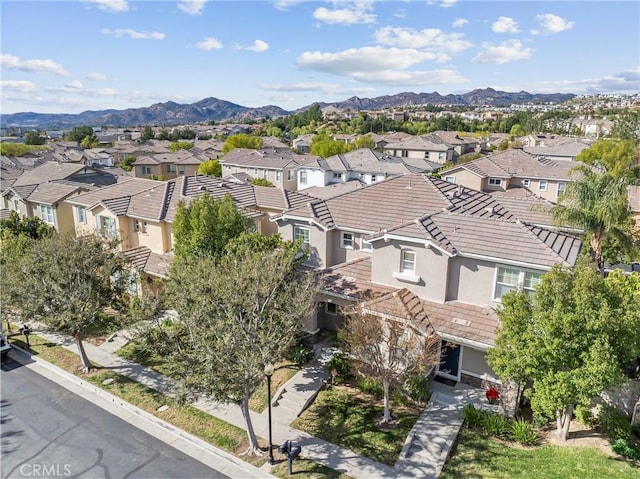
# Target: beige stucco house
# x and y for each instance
(456, 249)
(513, 169)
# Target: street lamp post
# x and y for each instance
(268, 372)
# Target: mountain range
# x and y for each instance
(213, 109)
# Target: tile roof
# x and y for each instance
(353, 280)
(152, 263)
(402, 304)
(516, 163)
(272, 158)
(124, 188)
(454, 319)
(52, 192)
(48, 171)
(367, 160)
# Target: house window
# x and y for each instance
(290, 174)
(526, 182)
(405, 153)
(300, 232)
(181, 169)
(337, 176)
(562, 186)
(106, 226)
(408, 261)
(441, 155)
(495, 181)
(511, 279)
(278, 175)
(450, 179)
(140, 225)
(265, 174)
(347, 240)
(46, 213)
(373, 178)
(331, 308)
(81, 215)
(256, 172)
(542, 186)
(171, 168)
(16, 205)
(146, 170)
(366, 246)
(136, 225)
(227, 167)
(303, 177)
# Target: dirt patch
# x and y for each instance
(579, 435)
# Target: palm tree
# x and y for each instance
(597, 203)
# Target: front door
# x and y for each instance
(450, 361)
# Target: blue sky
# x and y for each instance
(72, 56)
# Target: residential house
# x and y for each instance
(363, 165)
(277, 165)
(427, 147)
(302, 143)
(513, 171)
(167, 165)
(432, 245)
(563, 149)
(42, 191)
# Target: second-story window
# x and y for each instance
(542, 185)
(300, 232)
(562, 186)
(526, 182)
(366, 246)
(450, 179)
(512, 279)
(265, 174)
(290, 175)
(408, 261)
(171, 168)
(495, 181)
(81, 215)
(146, 170)
(181, 169)
(278, 175)
(46, 213)
(303, 177)
(347, 240)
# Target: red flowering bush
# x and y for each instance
(492, 395)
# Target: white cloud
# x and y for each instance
(442, 3)
(284, 4)
(317, 87)
(18, 86)
(209, 43)
(75, 85)
(133, 34)
(505, 52)
(366, 59)
(192, 7)
(400, 13)
(357, 13)
(412, 78)
(13, 62)
(460, 22)
(551, 23)
(115, 6)
(626, 81)
(534, 32)
(505, 25)
(433, 38)
(96, 76)
(258, 46)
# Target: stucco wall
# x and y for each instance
(465, 178)
(64, 217)
(317, 238)
(431, 267)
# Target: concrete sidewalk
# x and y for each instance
(423, 456)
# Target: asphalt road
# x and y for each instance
(47, 431)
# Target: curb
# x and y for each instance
(209, 455)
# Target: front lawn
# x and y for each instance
(479, 456)
(347, 417)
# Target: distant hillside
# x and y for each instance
(213, 109)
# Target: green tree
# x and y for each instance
(18, 149)
(89, 142)
(79, 133)
(262, 182)
(324, 146)
(65, 282)
(618, 158)
(147, 133)
(32, 228)
(127, 162)
(241, 313)
(180, 145)
(517, 130)
(211, 168)
(241, 140)
(388, 347)
(626, 126)
(597, 203)
(572, 340)
(205, 226)
(34, 138)
(162, 135)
